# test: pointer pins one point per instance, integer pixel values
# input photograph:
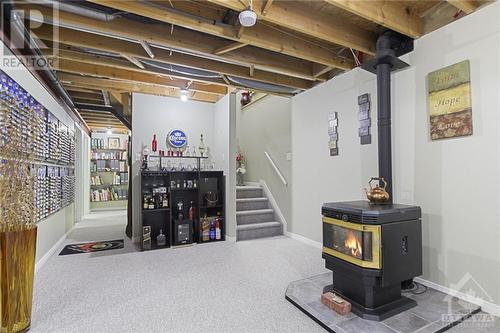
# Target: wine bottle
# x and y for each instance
(192, 212)
(218, 225)
(154, 144)
(212, 230)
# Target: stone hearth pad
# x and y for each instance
(435, 312)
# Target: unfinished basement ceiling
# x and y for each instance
(162, 47)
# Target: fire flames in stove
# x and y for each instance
(353, 244)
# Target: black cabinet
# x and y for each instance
(185, 206)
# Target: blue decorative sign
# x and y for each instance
(177, 138)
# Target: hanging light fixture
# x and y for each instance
(184, 94)
(109, 132)
(248, 18)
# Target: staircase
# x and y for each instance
(254, 216)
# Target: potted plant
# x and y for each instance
(17, 236)
(240, 169)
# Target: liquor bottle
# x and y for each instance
(145, 202)
(184, 184)
(201, 146)
(192, 211)
(154, 144)
(195, 183)
(151, 203)
(165, 201)
(205, 227)
(180, 204)
(212, 230)
(218, 225)
(161, 239)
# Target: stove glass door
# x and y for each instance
(356, 243)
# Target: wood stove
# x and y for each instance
(371, 250)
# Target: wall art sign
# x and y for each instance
(450, 107)
(176, 138)
(365, 138)
(333, 134)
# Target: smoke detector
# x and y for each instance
(248, 18)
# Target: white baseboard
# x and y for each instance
(52, 250)
(304, 240)
(486, 306)
(274, 205)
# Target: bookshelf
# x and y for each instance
(109, 171)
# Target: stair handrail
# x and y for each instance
(276, 169)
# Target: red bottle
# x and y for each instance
(192, 213)
(154, 144)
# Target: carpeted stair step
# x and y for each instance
(248, 192)
(258, 230)
(251, 203)
(254, 216)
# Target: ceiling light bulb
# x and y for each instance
(108, 132)
(184, 98)
(247, 18)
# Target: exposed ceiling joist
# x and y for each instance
(390, 14)
(99, 108)
(133, 76)
(72, 80)
(467, 6)
(107, 44)
(183, 39)
(292, 16)
(80, 57)
(259, 35)
(86, 95)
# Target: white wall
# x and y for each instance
(455, 181)
(266, 126)
(158, 115)
(222, 153)
(55, 226)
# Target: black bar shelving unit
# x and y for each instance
(186, 187)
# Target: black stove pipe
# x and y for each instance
(385, 52)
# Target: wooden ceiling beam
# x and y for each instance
(182, 39)
(132, 76)
(66, 53)
(318, 25)
(90, 91)
(389, 14)
(259, 35)
(72, 80)
(86, 100)
(467, 6)
(107, 44)
(86, 95)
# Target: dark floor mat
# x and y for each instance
(92, 247)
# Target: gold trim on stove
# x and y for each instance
(376, 244)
